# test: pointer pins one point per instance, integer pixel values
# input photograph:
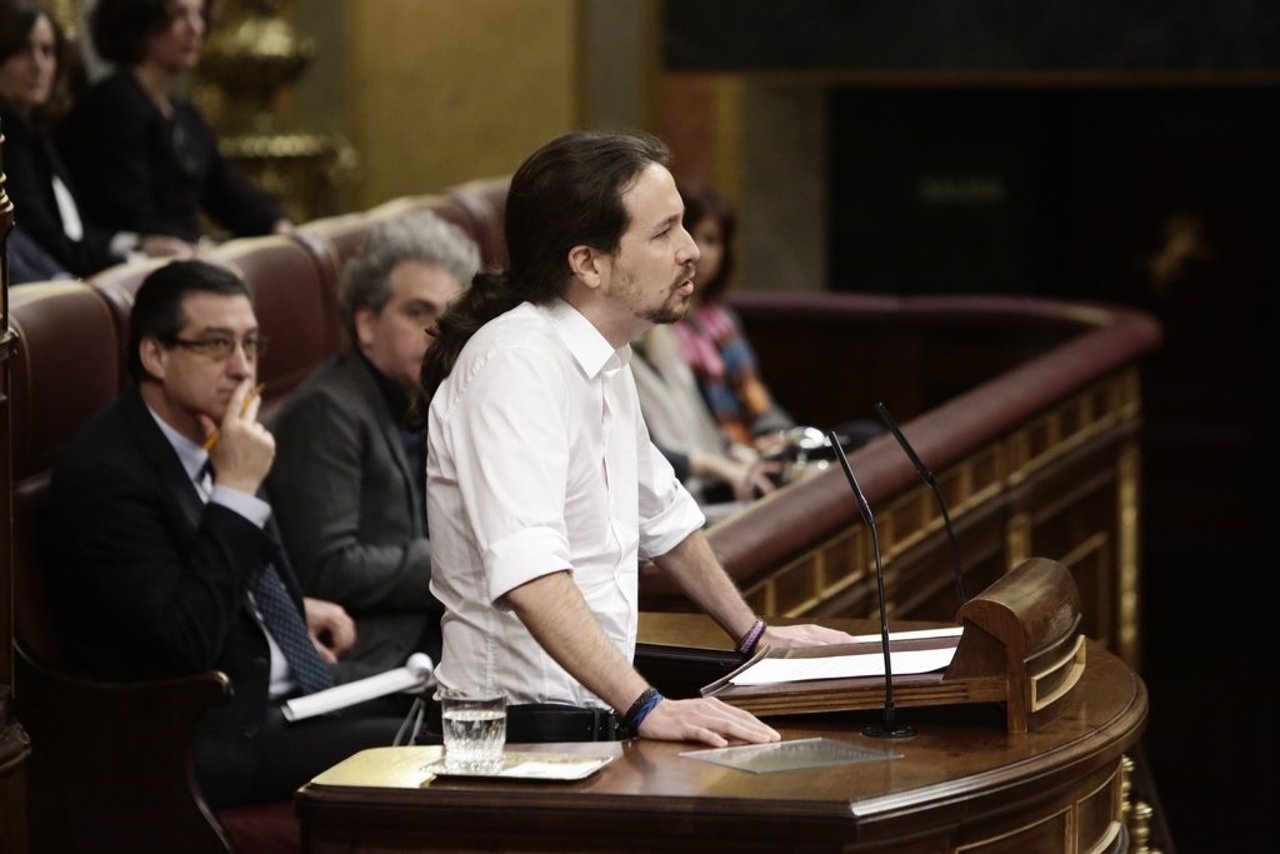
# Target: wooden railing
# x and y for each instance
(1028, 411)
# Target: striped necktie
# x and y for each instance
(281, 618)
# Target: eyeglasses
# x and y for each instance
(220, 347)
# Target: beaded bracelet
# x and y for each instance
(748, 643)
(641, 708)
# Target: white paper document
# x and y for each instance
(416, 674)
(771, 671)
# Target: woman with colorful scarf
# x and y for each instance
(710, 335)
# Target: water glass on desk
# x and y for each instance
(475, 729)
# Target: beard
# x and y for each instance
(675, 307)
(668, 313)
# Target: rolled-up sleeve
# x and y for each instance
(524, 555)
(508, 433)
(668, 513)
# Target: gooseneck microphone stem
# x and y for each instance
(888, 727)
(927, 476)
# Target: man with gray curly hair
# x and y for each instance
(348, 481)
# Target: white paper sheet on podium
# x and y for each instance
(771, 671)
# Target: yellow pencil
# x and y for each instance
(212, 438)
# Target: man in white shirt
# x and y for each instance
(544, 490)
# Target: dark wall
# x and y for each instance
(1120, 152)
(971, 35)
(1160, 198)
(1113, 193)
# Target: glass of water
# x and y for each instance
(475, 729)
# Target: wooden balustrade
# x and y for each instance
(1027, 410)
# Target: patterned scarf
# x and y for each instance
(725, 367)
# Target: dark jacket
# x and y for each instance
(139, 170)
(153, 583)
(30, 164)
(350, 514)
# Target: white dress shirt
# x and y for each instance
(538, 461)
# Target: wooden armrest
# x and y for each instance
(112, 763)
(151, 714)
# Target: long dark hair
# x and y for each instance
(120, 28)
(700, 202)
(17, 19)
(567, 194)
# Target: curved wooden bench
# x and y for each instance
(1027, 410)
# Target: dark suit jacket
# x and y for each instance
(153, 583)
(139, 170)
(349, 515)
(29, 262)
(30, 163)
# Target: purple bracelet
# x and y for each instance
(748, 643)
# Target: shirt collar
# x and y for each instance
(191, 455)
(593, 352)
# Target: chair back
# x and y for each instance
(333, 241)
(64, 372)
(111, 764)
(485, 202)
(296, 309)
(337, 239)
(117, 286)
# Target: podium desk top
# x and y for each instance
(961, 783)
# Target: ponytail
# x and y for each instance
(489, 295)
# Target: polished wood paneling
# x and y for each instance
(1033, 410)
(1053, 487)
(962, 784)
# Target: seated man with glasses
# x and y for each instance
(166, 559)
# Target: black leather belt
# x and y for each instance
(537, 723)
(548, 722)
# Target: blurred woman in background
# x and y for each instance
(710, 335)
(53, 236)
(707, 463)
(144, 156)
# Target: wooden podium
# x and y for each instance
(1021, 646)
(962, 785)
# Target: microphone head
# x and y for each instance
(420, 665)
(863, 507)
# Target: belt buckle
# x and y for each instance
(600, 723)
(597, 723)
(608, 726)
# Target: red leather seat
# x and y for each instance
(335, 240)
(111, 763)
(296, 308)
(485, 202)
(117, 285)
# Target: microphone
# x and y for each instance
(888, 727)
(421, 665)
(927, 477)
